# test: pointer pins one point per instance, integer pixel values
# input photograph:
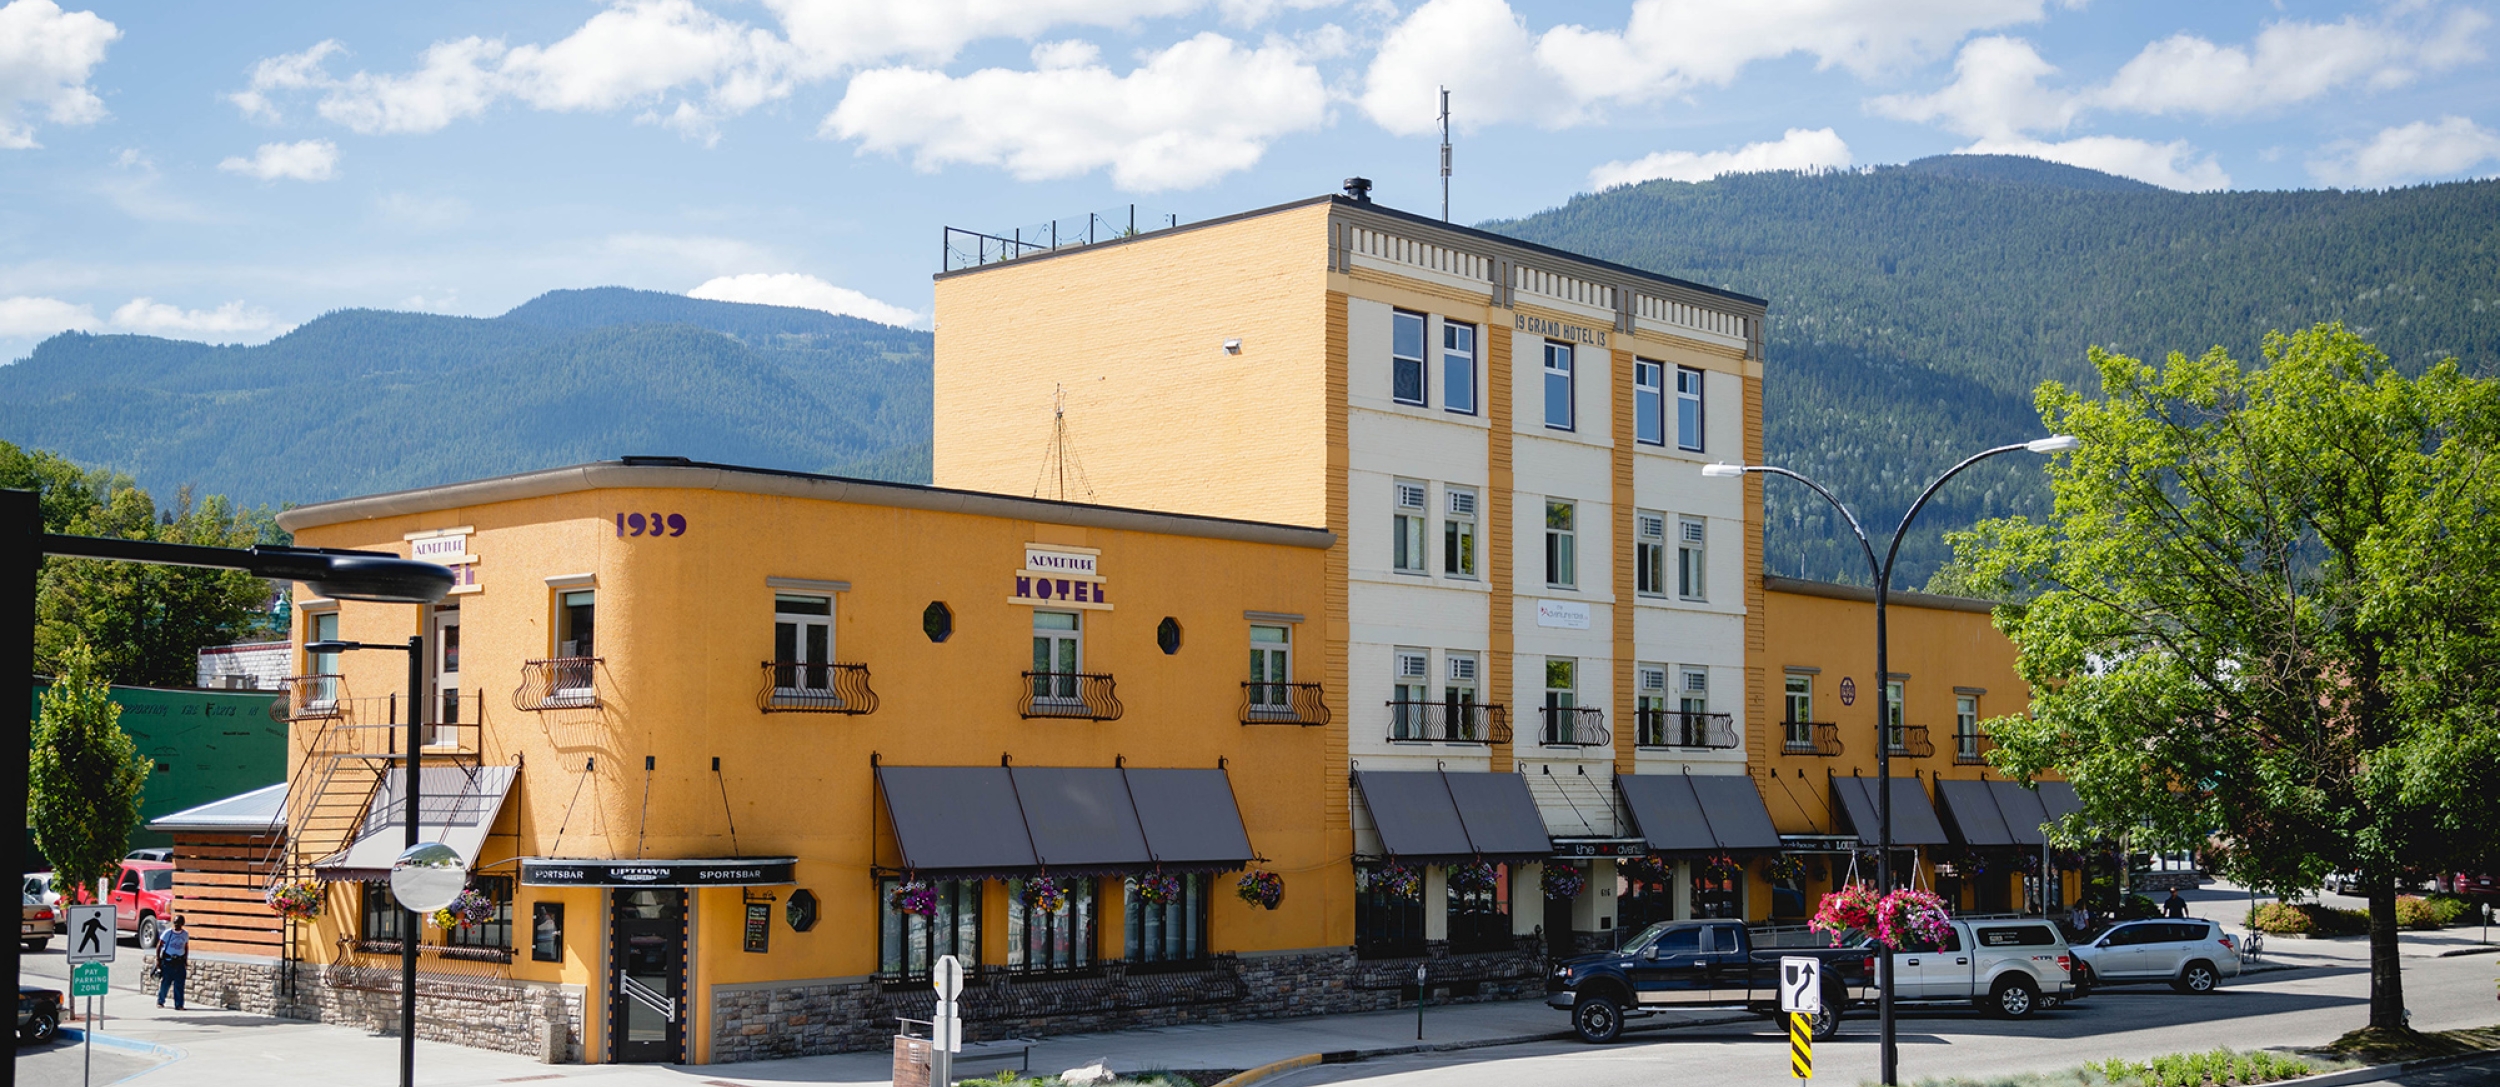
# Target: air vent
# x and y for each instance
(1653, 527)
(1462, 503)
(1410, 496)
(1414, 666)
(1695, 682)
(1463, 669)
(1653, 679)
(1692, 531)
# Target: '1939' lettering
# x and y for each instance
(636, 524)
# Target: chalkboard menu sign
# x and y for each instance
(759, 925)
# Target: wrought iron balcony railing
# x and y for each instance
(1971, 748)
(1910, 742)
(309, 698)
(816, 687)
(1077, 695)
(1819, 738)
(1677, 728)
(1573, 726)
(1283, 704)
(1449, 722)
(558, 683)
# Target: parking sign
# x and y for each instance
(1801, 984)
(93, 934)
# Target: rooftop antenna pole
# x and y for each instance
(1059, 435)
(1445, 154)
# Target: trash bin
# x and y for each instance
(911, 1061)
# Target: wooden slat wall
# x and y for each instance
(219, 883)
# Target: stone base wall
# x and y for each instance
(485, 1013)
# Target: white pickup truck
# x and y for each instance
(2010, 968)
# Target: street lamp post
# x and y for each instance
(414, 787)
(1882, 573)
(339, 575)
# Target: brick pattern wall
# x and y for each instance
(496, 1014)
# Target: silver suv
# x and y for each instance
(2191, 954)
(2010, 968)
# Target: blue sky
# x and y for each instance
(226, 172)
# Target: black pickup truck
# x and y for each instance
(1679, 965)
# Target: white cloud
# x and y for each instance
(2289, 62)
(803, 291)
(304, 160)
(1799, 149)
(1995, 93)
(1479, 49)
(2422, 151)
(2172, 165)
(836, 35)
(1189, 114)
(452, 83)
(29, 316)
(285, 72)
(46, 55)
(148, 315)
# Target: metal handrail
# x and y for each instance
(1679, 728)
(816, 687)
(1283, 704)
(558, 683)
(1976, 754)
(310, 698)
(1822, 739)
(1079, 696)
(1449, 722)
(1912, 743)
(1573, 726)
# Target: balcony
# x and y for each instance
(1818, 738)
(1573, 726)
(1072, 695)
(558, 683)
(310, 698)
(816, 687)
(1284, 704)
(1910, 742)
(1677, 728)
(1449, 722)
(1971, 749)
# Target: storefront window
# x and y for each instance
(1643, 897)
(1717, 898)
(1386, 925)
(1480, 916)
(1061, 939)
(494, 934)
(1174, 930)
(909, 943)
(382, 921)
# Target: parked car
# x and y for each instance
(1680, 965)
(2471, 884)
(2192, 955)
(143, 899)
(34, 927)
(39, 886)
(2007, 968)
(38, 1014)
(158, 853)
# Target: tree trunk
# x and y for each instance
(2387, 985)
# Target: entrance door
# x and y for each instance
(1558, 941)
(647, 991)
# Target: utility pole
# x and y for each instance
(1445, 154)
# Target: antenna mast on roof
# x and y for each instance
(1445, 154)
(1058, 460)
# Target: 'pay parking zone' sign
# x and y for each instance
(1801, 996)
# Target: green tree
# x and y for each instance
(2264, 609)
(84, 777)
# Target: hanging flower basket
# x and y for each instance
(2028, 864)
(1784, 869)
(1394, 880)
(1477, 878)
(1719, 868)
(1261, 888)
(1043, 894)
(1647, 868)
(300, 900)
(1563, 880)
(916, 896)
(1155, 888)
(1912, 920)
(1849, 909)
(471, 908)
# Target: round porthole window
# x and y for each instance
(801, 910)
(1168, 635)
(938, 622)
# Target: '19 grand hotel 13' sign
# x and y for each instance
(1062, 577)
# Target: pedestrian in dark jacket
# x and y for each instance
(2174, 906)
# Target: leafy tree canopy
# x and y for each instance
(85, 775)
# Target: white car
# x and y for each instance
(2192, 955)
(2005, 968)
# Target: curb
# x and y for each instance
(1249, 1076)
(74, 1035)
(2376, 1072)
(2486, 949)
(1350, 1056)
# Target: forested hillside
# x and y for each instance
(1915, 308)
(364, 400)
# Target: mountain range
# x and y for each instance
(1914, 309)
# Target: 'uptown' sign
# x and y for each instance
(760, 871)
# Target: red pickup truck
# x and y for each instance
(143, 899)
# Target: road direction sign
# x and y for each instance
(1801, 984)
(93, 934)
(948, 977)
(90, 979)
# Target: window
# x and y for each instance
(1458, 534)
(1407, 552)
(1688, 408)
(1458, 367)
(547, 931)
(1561, 559)
(1386, 926)
(908, 944)
(1692, 704)
(1894, 737)
(1271, 668)
(1558, 413)
(1057, 655)
(1649, 402)
(446, 674)
(1800, 711)
(1966, 727)
(1561, 699)
(1174, 930)
(1406, 357)
(1691, 581)
(495, 933)
(576, 622)
(324, 692)
(1649, 705)
(802, 636)
(381, 920)
(1409, 695)
(1649, 553)
(1479, 916)
(1458, 695)
(1062, 939)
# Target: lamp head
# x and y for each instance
(330, 647)
(2054, 443)
(1722, 471)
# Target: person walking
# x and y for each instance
(173, 964)
(2080, 920)
(2174, 906)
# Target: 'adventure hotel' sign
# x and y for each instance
(1062, 578)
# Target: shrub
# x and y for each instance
(2280, 919)
(2451, 908)
(2137, 908)
(2219, 1067)
(2307, 919)
(2412, 912)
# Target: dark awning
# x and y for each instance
(970, 822)
(2023, 812)
(1737, 815)
(1697, 813)
(956, 821)
(1427, 815)
(1081, 819)
(1913, 819)
(1973, 810)
(1190, 818)
(2059, 798)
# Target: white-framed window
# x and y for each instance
(1692, 695)
(1895, 737)
(577, 612)
(323, 691)
(1798, 693)
(1410, 693)
(1692, 537)
(1649, 704)
(1464, 721)
(1966, 727)
(1559, 413)
(1458, 533)
(1407, 549)
(1058, 655)
(1562, 698)
(1271, 667)
(1562, 569)
(1649, 402)
(1406, 357)
(802, 642)
(1649, 553)
(1688, 408)
(1458, 367)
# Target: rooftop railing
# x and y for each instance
(974, 249)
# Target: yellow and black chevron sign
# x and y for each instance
(1800, 1046)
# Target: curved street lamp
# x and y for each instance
(1882, 573)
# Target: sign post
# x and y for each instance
(1801, 996)
(94, 940)
(946, 1025)
(1419, 1002)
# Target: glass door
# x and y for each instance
(446, 678)
(647, 991)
